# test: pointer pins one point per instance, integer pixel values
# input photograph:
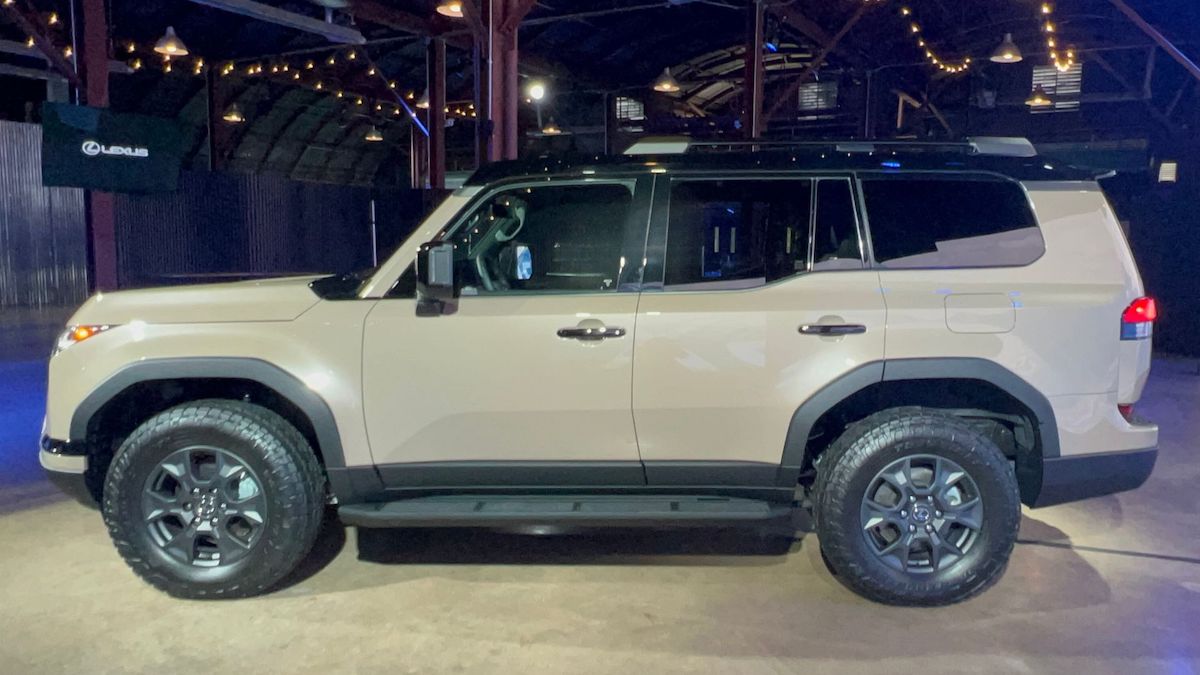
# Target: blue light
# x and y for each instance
(891, 164)
(772, 47)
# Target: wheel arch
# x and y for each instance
(980, 385)
(200, 377)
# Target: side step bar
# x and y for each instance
(584, 511)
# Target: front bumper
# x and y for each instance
(1069, 479)
(66, 466)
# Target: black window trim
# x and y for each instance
(983, 176)
(655, 277)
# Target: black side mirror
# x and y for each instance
(437, 289)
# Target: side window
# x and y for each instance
(546, 239)
(835, 228)
(732, 234)
(943, 223)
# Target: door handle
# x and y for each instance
(828, 330)
(591, 333)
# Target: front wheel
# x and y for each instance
(214, 498)
(916, 507)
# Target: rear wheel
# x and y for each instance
(916, 507)
(214, 498)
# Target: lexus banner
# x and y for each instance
(101, 150)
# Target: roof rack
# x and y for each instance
(980, 145)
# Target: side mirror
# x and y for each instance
(437, 289)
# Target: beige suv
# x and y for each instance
(908, 340)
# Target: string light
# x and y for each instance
(29, 42)
(227, 68)
(947, 66)
(1063, 61)
(53, 20)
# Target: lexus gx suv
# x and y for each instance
(907, 341)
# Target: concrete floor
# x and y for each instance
(1110, 585)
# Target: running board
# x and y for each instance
(584, 511)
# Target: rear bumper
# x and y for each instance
(1069, 479)
(67, 468)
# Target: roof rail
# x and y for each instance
(980, 145)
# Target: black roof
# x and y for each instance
(806, 157)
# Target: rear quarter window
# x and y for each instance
(946, 223)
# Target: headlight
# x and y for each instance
(74, 334)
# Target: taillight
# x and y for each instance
(1126, 410)
(1138, 319)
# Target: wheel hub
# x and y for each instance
(207, 507)
(921, 514)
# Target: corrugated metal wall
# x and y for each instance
(221, 224)
(43, 232)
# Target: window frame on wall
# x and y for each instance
(633, 232)
(658, 236)
(862, 177)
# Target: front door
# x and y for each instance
(529, 381)
(756, 296)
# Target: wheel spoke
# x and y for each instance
(935, 549)
(229, 544)
(968, 514)
(946, 475)
(875, 514)
(253, 516)
(183, 544)
(940, 548)
(903, 552)
(162, 500)
(898, 478)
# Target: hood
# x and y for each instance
(281, 299)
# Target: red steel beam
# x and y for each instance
(753, 91)
(102, 221)
(436, 76)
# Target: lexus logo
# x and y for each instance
(93, 148)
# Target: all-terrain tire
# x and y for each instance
(846, 472)
(292, 490)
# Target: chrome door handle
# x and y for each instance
(590, 333)
(828, 330)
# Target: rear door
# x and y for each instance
(756, 296)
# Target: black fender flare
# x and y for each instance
(800, 427)
(262, 372)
